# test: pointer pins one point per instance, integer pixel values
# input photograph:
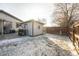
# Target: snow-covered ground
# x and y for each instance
(43, 45)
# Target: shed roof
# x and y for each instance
(2, 11)
(32, 21)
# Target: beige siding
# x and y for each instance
(10, 19)
(29, 27)
(33, 28)
(38, 30)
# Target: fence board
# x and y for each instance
(57, 30)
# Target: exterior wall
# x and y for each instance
(28, 27)
(1, 23)
(37, 29)
(32, 28)
(10, 19)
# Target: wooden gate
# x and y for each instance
(74, 35)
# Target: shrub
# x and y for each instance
(21, 32)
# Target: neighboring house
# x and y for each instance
(32, 27)
(8, 22)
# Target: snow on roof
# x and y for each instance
(32, 21)
(2, 11)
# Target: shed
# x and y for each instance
(32, 27)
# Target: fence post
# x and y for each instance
(73, 34)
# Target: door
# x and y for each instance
(26, 28)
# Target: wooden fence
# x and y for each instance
(74, 36)
(57, 30)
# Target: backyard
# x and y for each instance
(43, 45)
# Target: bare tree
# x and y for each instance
(66, 13)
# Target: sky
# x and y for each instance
(27, 11)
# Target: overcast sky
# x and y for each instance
(27, 11)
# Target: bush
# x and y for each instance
(21, 32)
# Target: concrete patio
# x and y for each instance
(9, 36)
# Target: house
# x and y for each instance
(8, 22)
(32, 27)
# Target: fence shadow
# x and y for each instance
(59, 50)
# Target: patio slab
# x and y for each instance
(9, 36)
